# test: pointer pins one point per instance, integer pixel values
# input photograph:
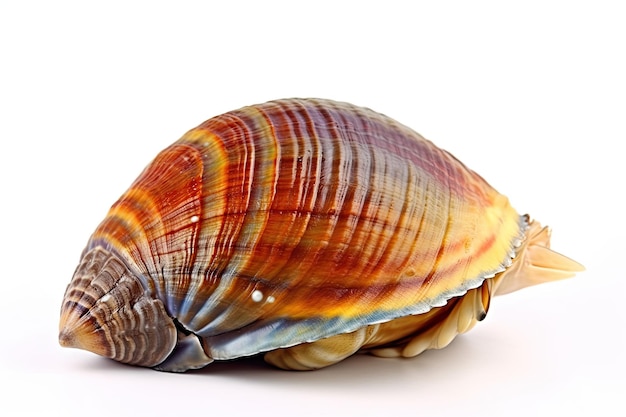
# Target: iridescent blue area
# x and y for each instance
(263, 336)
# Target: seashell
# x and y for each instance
(303, 229)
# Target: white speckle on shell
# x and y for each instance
(105, 298)
(256, 296)
(195, 219)
(270, 299)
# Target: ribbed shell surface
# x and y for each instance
(295, 220)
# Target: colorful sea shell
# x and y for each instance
(303, 229)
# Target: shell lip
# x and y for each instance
(262, 336)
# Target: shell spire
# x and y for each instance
(107, 311)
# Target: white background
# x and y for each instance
(532, 96)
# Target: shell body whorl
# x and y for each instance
(298, 220)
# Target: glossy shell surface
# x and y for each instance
(296, 220)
